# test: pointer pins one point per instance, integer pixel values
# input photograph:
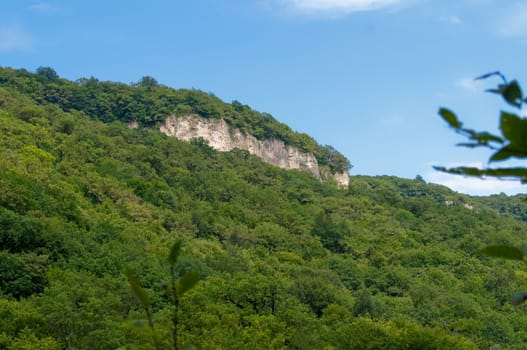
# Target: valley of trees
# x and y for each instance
(285, 261)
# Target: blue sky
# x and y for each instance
(366, 76)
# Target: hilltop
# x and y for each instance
(147, 103)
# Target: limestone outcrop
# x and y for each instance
(223, 138)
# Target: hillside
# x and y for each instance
(286, 262)
(220, 136)
(148, 103)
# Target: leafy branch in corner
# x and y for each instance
(512, 143)
(176, 288)
(509, 253)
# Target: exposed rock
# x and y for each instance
(468, 206)
(221, 137)
(343, 179)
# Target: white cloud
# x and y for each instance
(450, 19)
(344, 5)
(474, 185)
(469, 84)
(391, 120)
(516, 23)
(336, 6)
(43, 7)
(13, 38)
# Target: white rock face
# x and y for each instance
(343, 179)
(221, 137)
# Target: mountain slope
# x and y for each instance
(285, 261)
(147, 103)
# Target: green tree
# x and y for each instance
(47, 73)
(147, 82)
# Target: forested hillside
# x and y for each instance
(148, 103)
(285, 262)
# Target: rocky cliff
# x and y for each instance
(221, 137)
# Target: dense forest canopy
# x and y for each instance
(285, 262)
(149, 103)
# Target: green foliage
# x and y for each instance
(177, 288)
(503, 251)
(186, 282)
(519, 298)
(27, 340)
(138, 291)
(149, 103)
(147, 82)
(511, 144)
(337, 162)
(48, 73)
(174, 252)
(22, 274)
(284, 261)
(19, 233)
(364, 333)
